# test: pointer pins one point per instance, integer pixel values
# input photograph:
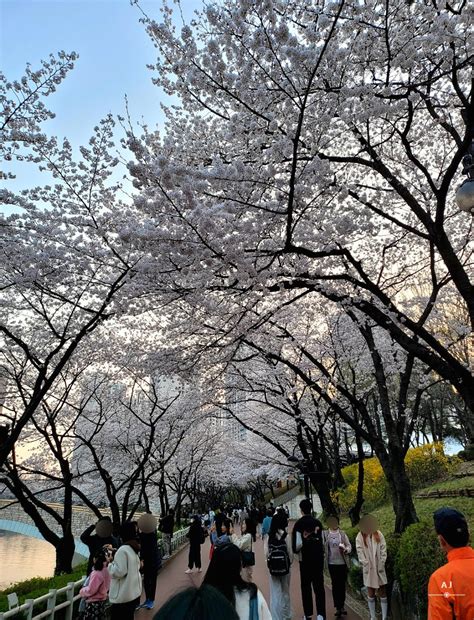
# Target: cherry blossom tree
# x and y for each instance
(313, 153)
(65, 267)
(44, 472)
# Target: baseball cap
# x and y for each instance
(452, 526)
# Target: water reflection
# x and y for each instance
(22, 557)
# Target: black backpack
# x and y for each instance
(312, 550)
(278, 560)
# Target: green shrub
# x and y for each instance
(356, 579)
(393, 546)
(419, 554)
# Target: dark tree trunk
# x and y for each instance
(64, 554)
(400, 490)
(321, 485)
(337, 478)
(354, 512)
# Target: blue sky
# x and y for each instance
(113, 52)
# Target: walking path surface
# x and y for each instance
(172, 579)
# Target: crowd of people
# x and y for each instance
(228, 590)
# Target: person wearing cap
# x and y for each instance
(451, 587)
(103, 536)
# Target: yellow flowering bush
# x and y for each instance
(375, 486)
(425, 465)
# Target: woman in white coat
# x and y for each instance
(372, 554)
(125, 582)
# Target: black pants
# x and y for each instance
(312, 579)
(194, 556)
(124, 611)
(338, 574)
(149, 582)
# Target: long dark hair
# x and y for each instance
(279, 522)
(227, 523)
(197, 604)
(224, 572)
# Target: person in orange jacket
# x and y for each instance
(451, 587)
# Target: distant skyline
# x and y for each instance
(113, 49)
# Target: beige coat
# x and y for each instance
(372, 556)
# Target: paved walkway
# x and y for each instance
(172, 579)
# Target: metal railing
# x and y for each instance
(50, 599)
(27, 608)
(178, 540)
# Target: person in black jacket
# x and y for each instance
(95, 542)
(166, 527)
(150, 556)
(196, 538)
(307, 542)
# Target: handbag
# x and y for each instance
(248, 558)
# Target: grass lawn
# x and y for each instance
(426, 507)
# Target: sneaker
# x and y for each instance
(149, 604)
(188, 571)
(199, 570)
(319, 617)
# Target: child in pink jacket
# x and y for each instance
(96, 591)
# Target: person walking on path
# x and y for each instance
(150, 556)
(166, 527)
(103, 536)
(279, 555)
(372, 554)
(253, 519)
(224, 574)
(307, 542)
(196, 539)
(126, 583)
(451, 587)
(244, 543)
(266, 523)
(336, 550)
(96, 591)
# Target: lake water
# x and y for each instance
(23, 557)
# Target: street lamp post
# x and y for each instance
(306, 471)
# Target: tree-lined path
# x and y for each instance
(172, 579)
